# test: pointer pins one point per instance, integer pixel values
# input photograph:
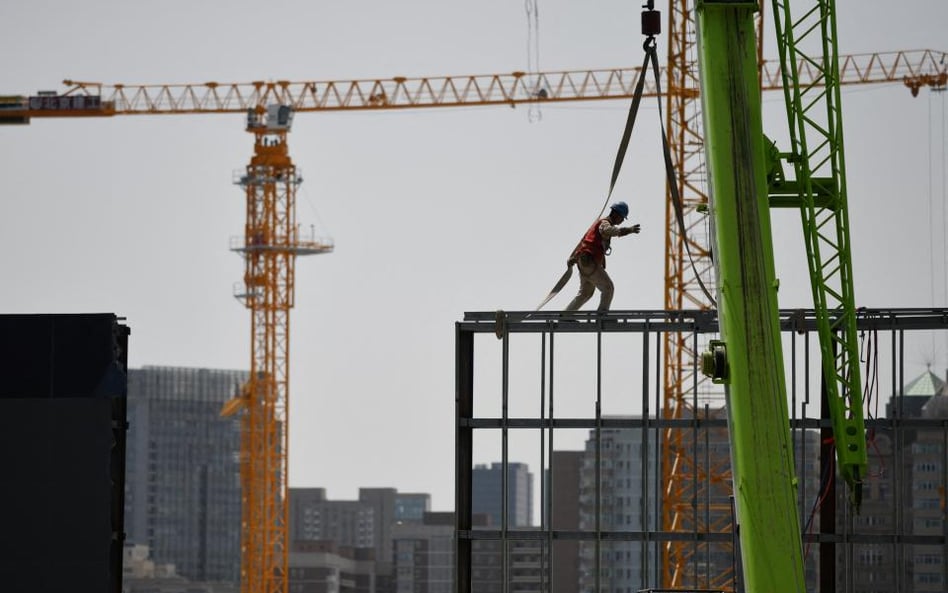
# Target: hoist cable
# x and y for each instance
(670, 174)
(533, 57)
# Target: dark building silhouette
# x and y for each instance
(62, 445)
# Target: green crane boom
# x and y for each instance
(745, 181)
(816, 156)
(749, 360)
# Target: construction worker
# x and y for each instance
(590, 256)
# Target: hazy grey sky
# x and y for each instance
(434, 212)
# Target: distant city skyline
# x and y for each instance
(135, 214)
(175, 407)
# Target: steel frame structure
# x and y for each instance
(837, 537)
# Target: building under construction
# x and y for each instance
(552, 381)
(678, 524)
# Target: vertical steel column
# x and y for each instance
(658, 522)
(643, 502)
(707, 491)
(899, 459)
(545, 517)
(504, 453)
(828, 507)
(694, 474)
(793, 432)
(944, 493)
(463, 448)
(598, 505)
(552, 469)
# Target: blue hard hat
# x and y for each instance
(621, 208)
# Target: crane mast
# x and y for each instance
(682, 291)
(270, 186)
(270, 247)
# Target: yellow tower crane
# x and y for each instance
(272, 240)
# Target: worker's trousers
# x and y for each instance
(592, 276)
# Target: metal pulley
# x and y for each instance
(714, 362)
(651, 20)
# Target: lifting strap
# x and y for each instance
(620, 156)
(650, 57)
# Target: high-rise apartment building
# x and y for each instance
(382, 503)
(904, 493)
(928, 491)
(487, 484)
(424, 554)
(425, 559)
(182, 488)
(363, 523)
(313, 517)
(618, 500)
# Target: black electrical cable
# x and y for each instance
(670, 170)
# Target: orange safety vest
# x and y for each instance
(594, 244)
